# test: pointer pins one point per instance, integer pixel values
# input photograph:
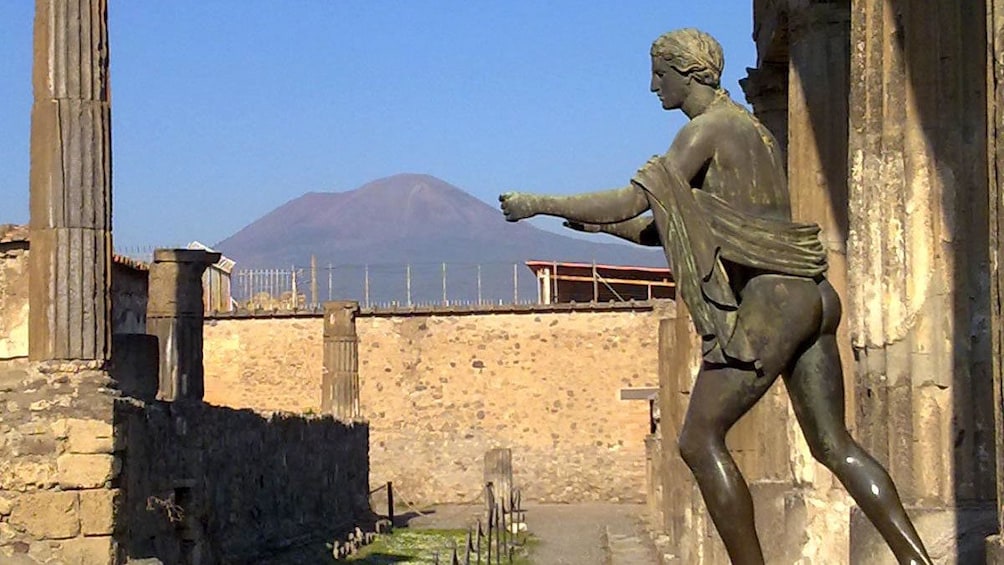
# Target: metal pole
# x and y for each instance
(596, 284)
(515, 283)
(445, 302)
(366, 284)
(479, 284)
(407, 281)
(292, 284)
(330, 271)
(390, 503)
(313, 279)
(554, 298)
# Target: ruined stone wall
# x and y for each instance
(59, 463)
(129, 293)
(216, 485)
(441, 389)
(13, 292)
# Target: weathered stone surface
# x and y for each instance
(234, 481)
(47, 514)
(97, 511)
(86, 436)
(12, 379)
(70, 181)
(6, 504)
(547, 387)
(340, 378)
(87, 551)
(952, 535)
(77, 471)
(26, 473)
(174, 315)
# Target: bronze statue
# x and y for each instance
(754, 283)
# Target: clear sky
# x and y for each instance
(224, 109)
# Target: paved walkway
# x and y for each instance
(569, 534)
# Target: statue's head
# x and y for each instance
(691, 55)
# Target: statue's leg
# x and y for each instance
(722, 394)
(720, 397)
(816, 389)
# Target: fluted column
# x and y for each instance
(340, 381)
(71, 237)
(917, 250)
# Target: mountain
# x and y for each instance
(411, 219)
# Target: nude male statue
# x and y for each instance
(754, 283)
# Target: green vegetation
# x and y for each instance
(419, 547)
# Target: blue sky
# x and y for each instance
(224, 109)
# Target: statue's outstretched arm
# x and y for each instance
(604, 207)
(640, 230)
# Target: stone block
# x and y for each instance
(21, 474)
(995, 550)
(6, 505)
(47, 514)
(952, 535)
(88, 551)
(12, 379)
(80, 471)
(97, 511)
(89, 436)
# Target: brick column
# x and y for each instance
(340, 381)
(71, 184)
(175, 315)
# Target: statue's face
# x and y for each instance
(668, 84)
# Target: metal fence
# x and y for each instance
(500, 538)
(423, 284)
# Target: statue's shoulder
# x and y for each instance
(705, 128)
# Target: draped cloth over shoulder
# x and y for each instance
(698, 230)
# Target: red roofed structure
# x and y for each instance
(590, 282)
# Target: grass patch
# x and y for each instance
(419, 547)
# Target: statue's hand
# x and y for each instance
(517, 206)
(579, 226)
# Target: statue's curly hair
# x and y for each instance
(693, 53)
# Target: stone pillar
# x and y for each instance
(498, 473)
(995, 162)
(766, 89)
(340, 381)
(818, 89)
(71, 181)
(918, 300)
(175, 316)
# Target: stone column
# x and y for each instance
(340, 381)
(995, 162)
(818, 89)
(918, 271)
(766, 89)
(71, 182)
(175, 315)
(498, 473)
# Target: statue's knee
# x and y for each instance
(694, 445)
(831, 453)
